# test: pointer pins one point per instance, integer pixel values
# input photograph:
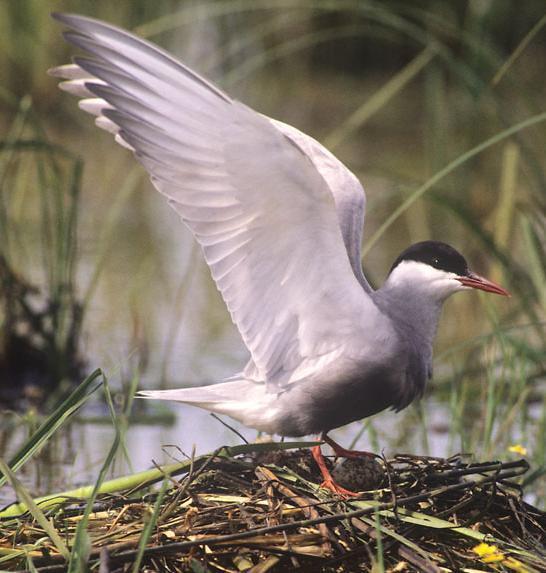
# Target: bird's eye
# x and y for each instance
(436, 262)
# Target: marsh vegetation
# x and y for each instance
(438, 107)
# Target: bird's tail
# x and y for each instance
(244, 400)
(215, 393)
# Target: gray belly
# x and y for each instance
(315, 406)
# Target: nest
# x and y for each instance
(266, 512)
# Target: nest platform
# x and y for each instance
(264, 511)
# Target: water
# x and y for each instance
(74, 456)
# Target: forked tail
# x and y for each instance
(244, 400)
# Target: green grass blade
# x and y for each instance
(424, 520)
(111, 223)
(535, 257)
(290, 47)
(379, 99)
(37, 513)
(438, 176)
(506, 204)
(34, 145)
(518, 51)
(30, 565)
(149, 526)
(57, 419)
(81, 545)
(379, 544)
(387, 531)
(6, 159)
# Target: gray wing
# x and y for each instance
(348, 193)
(258, 204)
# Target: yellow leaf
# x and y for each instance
(518, 449)
(484, 549)
(488, 553)
(516, 565)
(494, 558)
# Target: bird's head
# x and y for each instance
(436, 270)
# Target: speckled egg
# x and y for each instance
(358, 474)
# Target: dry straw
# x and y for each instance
(263, 510)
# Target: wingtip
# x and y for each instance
(72, 20)
(143, 394)
(60, 71)
(61, 16)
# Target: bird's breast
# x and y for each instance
(320, 405)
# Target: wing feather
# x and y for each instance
(264, 201)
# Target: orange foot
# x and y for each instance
(329, 482)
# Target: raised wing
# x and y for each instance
(348, 193)
(257, 203)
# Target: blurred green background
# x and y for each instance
(398, 90)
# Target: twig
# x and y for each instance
(333, 518)
(229, 427)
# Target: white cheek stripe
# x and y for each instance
(415, 271)
(420, 278)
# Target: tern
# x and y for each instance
(280, 221)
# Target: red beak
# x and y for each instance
(480, 283)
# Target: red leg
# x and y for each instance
(329, 482)
(341, 452)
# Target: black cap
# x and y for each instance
(436, 254)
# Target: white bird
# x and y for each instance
(279, 220)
